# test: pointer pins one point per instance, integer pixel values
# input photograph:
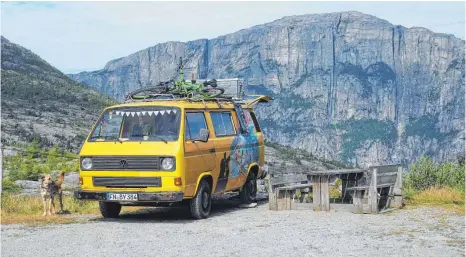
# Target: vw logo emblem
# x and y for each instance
(123, 164)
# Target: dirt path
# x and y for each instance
(232, 231)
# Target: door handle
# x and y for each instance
(212, 150)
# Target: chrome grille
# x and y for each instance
(127, 181)
(146, 163)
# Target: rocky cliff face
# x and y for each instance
(348, 86)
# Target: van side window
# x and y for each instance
(194, 122)
(223, 124)
(256, 123)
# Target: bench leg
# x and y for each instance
(320, 193)
(316, 193)
(324, 193)
(273, 199)
(397, 201)
(284, 200)
(358, 197)
(373, 194)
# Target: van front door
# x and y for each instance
(199, 156)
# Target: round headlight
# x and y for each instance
(86, 163)
(168, 163)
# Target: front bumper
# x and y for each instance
(142, 197)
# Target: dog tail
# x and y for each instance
(61, 178)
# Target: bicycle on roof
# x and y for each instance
(179, 88)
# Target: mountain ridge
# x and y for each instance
(333, 75)
(41, 103)
(260, 25)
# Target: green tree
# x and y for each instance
(34, 149)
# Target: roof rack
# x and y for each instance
(227, 89)
(233, 90)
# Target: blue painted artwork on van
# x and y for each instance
(244, 151)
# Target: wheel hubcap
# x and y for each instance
(251, 188)
(205, 200)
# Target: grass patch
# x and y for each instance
(439, 196)
(28, 210)
(436, 184)
(446, 198)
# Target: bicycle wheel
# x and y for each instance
(212, 83)
(160, 88)
(213, 92)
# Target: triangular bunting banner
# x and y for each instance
(169, 111)
(174, 111)
(132, 114)
(156, 113)
(162, 112)
(143, 113)
(117, 112)
(150, 113)
(138, 113)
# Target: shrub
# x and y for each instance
(33, 163)
(425, 174)
(9, 186)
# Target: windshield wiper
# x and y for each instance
(163, 139)
(115, 138)
(94, 137)
(106, 137)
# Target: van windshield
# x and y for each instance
(138, 124)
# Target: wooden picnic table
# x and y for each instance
(320, 181)
(355, 181)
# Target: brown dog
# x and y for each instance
(50, 188)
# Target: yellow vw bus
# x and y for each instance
(157, 152)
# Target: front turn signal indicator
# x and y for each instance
(178, 181)
(80, 180)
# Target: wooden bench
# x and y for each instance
(380, 189)
(282, 188)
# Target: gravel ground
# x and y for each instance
(232, 231)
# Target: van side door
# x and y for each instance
(224, 131)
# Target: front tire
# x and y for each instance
(247, 194)
(200, 205)
(110, 209)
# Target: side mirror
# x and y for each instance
(203, 135)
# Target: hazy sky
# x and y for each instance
(77, 36)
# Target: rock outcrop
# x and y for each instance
(348, 86)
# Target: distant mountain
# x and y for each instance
(40, 102)
(348, 86)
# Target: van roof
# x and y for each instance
(182, 103)
(189, 103)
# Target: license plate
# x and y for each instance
(122, 197)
